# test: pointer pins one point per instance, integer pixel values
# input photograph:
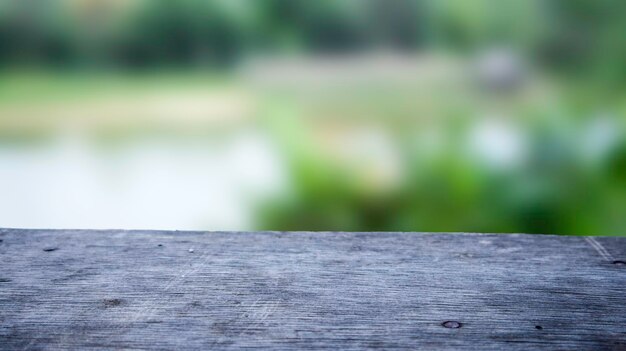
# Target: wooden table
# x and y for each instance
(83, 289)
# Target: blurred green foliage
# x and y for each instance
(577, 35)
(556, 187)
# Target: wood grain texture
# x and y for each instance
(76, 289)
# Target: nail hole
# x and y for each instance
(111, 302)
(619, 262)
(452, 324)
(160, 245)
(50, 249)
(538, 327)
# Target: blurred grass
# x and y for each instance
(40, 104)
(40, 86)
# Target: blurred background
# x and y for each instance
(353, 115)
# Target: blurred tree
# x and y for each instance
(34, 32)
(586, 41)
(182, 32)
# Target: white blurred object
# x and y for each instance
(598, 137)
(498, 143)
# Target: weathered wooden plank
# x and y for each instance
(76, 289)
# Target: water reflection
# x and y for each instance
(150, 182)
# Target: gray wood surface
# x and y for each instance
(76, 289)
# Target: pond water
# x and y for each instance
(155, 183)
